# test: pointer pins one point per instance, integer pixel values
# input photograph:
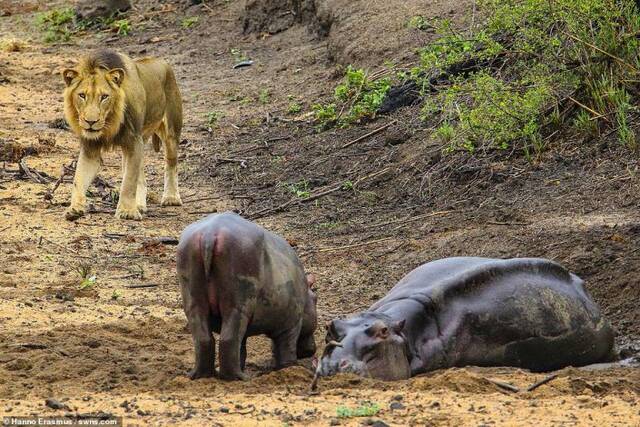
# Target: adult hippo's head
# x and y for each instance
(369, 344)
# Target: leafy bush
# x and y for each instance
(57, 24)
(533, 71)
(533, 66)
(356, 98)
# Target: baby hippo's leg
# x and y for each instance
(284, 346)
(232, 334)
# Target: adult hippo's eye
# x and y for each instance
(103, 97)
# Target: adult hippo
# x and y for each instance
(525, 312)
(240, 280)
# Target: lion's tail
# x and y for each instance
(157, 143)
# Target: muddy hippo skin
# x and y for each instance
(240, 280)
(523, 312)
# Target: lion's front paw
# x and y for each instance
(73, 214)
(123, 213)
(171, 200)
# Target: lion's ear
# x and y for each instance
(116, 75)
(68, 75)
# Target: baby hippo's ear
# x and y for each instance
(311, 280)
(335, 330)
(68, 75)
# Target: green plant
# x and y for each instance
(294, 108)
(57, 24)
(534, 66)
(418, 22)
(121, 26)
(189, 22)
(264, 96)
(87, 279)
(357, 97)
(445, 132)
(300, 189)
(116, 295)
(238, 55)
(367, 409)
(213, 117)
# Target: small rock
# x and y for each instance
(55, 404)
(224, 409)
(142, 413)
(397, 397)
(396, 406)
(379, 423)
(334, 422)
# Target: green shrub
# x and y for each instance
(57, 24)
(356, 98)
(189, 22)
(533, 66)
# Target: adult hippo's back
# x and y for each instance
(524, 312)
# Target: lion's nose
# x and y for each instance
(91, 122)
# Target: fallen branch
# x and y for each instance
(373, 132)
(32, 174)
(542, 382)
(30, 345)
(204, 199)
(172, 241)
(507, 223)
(65, 170)
(243, 162)
(142, 285)
(503, 385)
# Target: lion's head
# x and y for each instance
(94, 100)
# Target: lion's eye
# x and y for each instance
(103, 97)
(81, 95)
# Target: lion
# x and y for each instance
(111, 100)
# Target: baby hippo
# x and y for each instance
(240, 280)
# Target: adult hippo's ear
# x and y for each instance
(336, 330)
(379, 330)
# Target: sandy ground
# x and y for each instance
(124, 351)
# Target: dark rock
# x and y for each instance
(334, 422)
(91, 9)
(55, 404)
(396, 406)
(379, 423)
